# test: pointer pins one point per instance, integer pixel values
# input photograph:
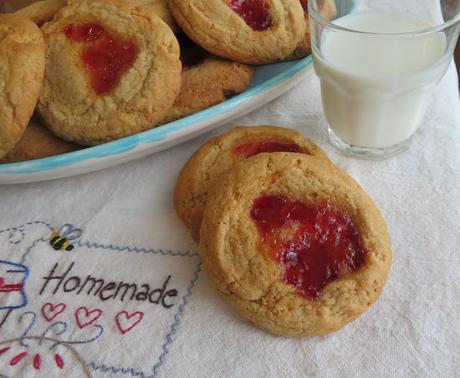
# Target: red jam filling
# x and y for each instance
(106, 56)
(252, 148)
(256, 13)
(315, 244)
(304, 4)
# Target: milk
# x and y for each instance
(375, 88)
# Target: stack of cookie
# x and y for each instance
(99, 70)
(287, 238)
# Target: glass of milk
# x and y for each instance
(378, 62)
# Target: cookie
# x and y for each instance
(245, 31)
(37, 142)
(112, 70)
(160, 7)
(42, 11)
(212, 160)
(22, 64)
(207, 82)
(9, 6)
(327, 10)
(294, 244)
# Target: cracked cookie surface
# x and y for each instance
(37, 142)
(212, 160)
(252, 281)
(42, 11)
(209, 83)
(161, 9)
(76, 109)
(217, 26)
(22, 63)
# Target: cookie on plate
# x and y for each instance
(22, 64)
(37, 142)
(327, 10)
(207, 81)
(42, 11)
(294, 244)
(213, 159)
(245, 31)
(161, 9)
(112, 70)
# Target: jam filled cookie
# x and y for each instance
(294, 244)
(327, 10)
(37, 142)
(112, 70)
(22, 64)
(42, 11)
(246, 31)
(219, 154)
(206, 81)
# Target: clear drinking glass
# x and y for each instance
(378, 62)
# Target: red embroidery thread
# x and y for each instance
(59, 361)
(50, 311)
(4, 350)
(37, 361)
(17, 358)
(90, 316)
(126, 328)
(8, 288)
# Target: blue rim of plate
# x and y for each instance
(157, 134)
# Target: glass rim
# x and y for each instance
(433, 29)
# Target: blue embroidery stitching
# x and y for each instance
(22, 269)
(20, 228)
(30, 247)
(29, 327)
(169, 339)
(26, 224)
(177, 317)
(106, 369)
(133, 249)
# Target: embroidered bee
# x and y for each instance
(61, 240)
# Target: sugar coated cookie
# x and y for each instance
(22, 64)
(246, 31)
(219, 154)
(294, 244)
(112, 70)
(37, 142)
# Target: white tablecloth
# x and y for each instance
(130, 234)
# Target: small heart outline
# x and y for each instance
(128, 316)
(88, 314)
(55, 310)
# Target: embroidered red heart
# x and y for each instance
(50, 311)
(126, 322)
(85, 317)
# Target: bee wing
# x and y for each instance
(69, 232)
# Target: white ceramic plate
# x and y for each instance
(268, 83)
